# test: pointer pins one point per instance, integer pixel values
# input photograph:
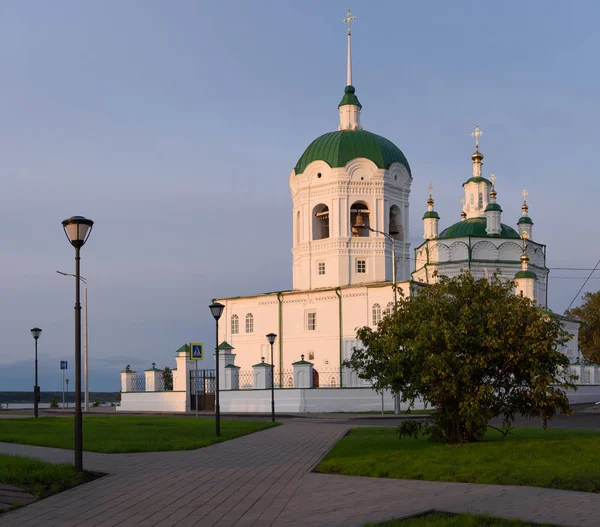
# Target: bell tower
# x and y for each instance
(350, 193)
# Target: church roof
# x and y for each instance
(477, 180)
(476, 227)
(338, 148)
(526, 274)
(350, 97)
(525, 219)
(431, 214)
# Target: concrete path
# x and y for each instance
(265, 479)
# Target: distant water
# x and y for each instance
(26, 406)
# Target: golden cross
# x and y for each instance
(524, 194)
(349, 19)
(493, 178)
(430, 187)
(476, 134)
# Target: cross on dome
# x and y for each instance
(477, 133)
(524, 194)
(493, 179)
(430, 187)
(348, 20)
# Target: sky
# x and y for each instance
(175, 125)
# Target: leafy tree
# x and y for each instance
(589, 332)
(474, 350)
(167, 376)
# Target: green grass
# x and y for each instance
(113, 434)
(39, 478)
(555, 458)
(438, 519)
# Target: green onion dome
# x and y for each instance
(493, 206)
(476, 227)
(431, 214)
(525, 219)
(338, 148)
(526, 274)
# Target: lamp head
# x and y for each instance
(77, 229)
(271, 338)
(36, 332)
(217, 310)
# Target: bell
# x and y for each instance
(359, 225)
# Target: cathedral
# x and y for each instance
(351, 254)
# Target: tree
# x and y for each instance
(474, 350)
(167, 376)
(589, 332)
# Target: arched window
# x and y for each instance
(249, 323)
(480, 200)
(298, 227)
(359, 220)
(472, 199)
(235, 324)
(395, 224)
(376, 314)
(389, 309)
(320, 222)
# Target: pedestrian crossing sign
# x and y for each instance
(196, 351)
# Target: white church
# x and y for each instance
(351, 258)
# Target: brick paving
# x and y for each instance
(265, 479)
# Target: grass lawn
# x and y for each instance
(126, 433)
(555, 458)
(39, 478)
(439, 519)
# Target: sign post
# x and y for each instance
(63, 367)
(196, 354)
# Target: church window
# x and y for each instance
(298, 227)
(395, 224)
(311, 321)
(320, 222)
(481, 200)
(359, 220)
(235, 324)
(249, 323)
(376, 314)
(361, 266)
(587, 376)
(321, 268)
(389, 309)
(472, 199)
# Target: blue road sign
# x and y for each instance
(63, 364)
(196, 351)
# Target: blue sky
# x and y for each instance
(174, 126)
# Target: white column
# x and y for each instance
(152, 378)
(262, 375)
(127, 380)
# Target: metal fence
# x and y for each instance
(285, 379)
(162, 386)
(137, 383)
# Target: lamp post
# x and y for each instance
(86, 403)
(393, 243)
(67, 384)
(78, 229)
(217, 310)
(35, 333)
(271, 338)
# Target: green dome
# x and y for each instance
(493, 206)
(476, 227)
(337, 148)
(526, 274)
(525, 219)
(349, 97)
(431, 214)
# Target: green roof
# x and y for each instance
(153, 369)
(261, 364)
(185, 348)
(431, 214)
(349, 97)
(493, 206)
(477, 180)
(525, 219)
(338, 148)
(225, 346)
(476, 227)
(232, 366)
(526, 274)
(301, 362)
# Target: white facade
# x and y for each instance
(319, 324)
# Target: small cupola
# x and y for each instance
(430, 218)
(525, 223)
(493, 212)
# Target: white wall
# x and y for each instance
(153, 402)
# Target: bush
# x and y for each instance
(95, 403)
(53, 402)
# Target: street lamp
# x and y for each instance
(393, 243)
(86, 403)
(35, 333)
(217, 310)
(67, 383)
(77, 230)
(271, 338)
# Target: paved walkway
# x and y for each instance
(265, 479)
